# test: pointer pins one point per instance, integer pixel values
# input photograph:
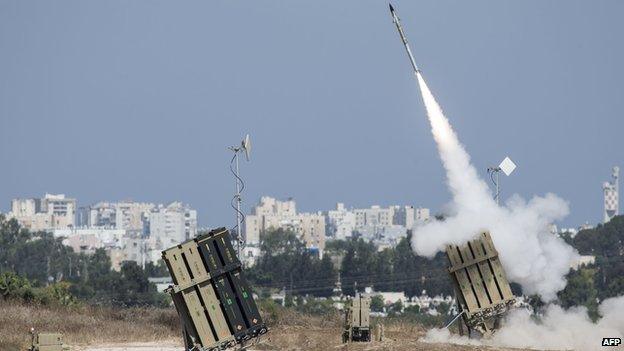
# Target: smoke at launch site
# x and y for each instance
(530, 254)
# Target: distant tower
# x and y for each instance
(611, 196)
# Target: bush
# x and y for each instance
(58, 293)
(316, 307)
(15, 287)
(270, 309)
(12, 286)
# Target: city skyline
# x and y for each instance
(106, 102)
(248, 208)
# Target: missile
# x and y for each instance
(397, 23)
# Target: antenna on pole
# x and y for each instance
(507, 166)
(245, 146)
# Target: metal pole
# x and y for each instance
(453, 320)
(497, 187)
(239, 237)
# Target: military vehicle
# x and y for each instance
(47, 342)
(357, 319)
(210, 293)
(482, 290)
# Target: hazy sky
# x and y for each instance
(112, 100)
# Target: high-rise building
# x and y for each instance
(170, 225)
(421, 215)
(271, 213)
(386, 226)
(374, 216)
(340, 222)
(251, 229)
(47, 213)
(126, 215)
(404, 215)
(611, 196)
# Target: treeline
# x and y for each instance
(285, 263)
(38, 267)
(603, 279)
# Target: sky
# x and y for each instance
(115, 100)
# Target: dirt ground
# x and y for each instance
(398, 337)
(291, 339)
(318, 335)
(105, 329)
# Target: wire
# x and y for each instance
(237, 197)
(491, 172)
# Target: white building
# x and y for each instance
(340, 222)
(109, 236)
(611, 196)
(583, 260)
(130, 249)
(47, 213)
(387, 297)
(386, 226)
(126, 215)
(408, 216)
(421, 215)
(251, 229)
(271, 213)
(374, 216)
(170, 225)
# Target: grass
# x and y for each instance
(85, 324)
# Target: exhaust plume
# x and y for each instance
(530, 254)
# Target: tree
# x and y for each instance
(606, 243)
(395, 309)
(158, 269)
(604, 240)
(286, 263)
(377, 303)
(580, 291)
(12, 239)
(413, 273)
(358, 265)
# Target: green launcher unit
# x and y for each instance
(210, 293)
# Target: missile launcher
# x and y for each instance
(47, 342)
(483, 292)
(210, 293)
(357, 319)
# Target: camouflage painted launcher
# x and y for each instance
(47, 342)
(211, 295)
(483, 291)
(357, 319)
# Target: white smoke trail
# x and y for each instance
(531, 256)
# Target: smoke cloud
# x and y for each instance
(530, 254)
(557, 329)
